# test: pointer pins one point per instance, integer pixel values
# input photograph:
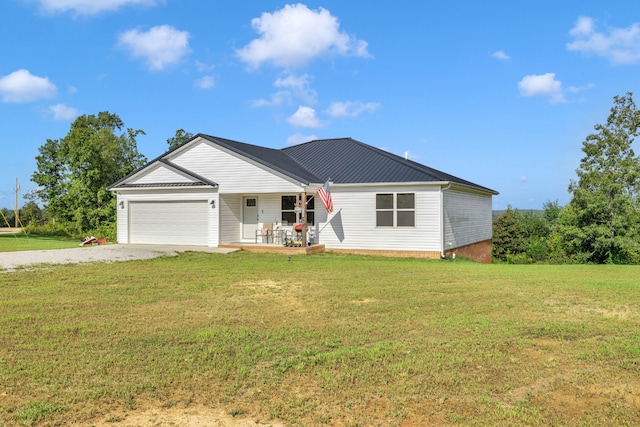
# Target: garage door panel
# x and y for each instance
(178, 223)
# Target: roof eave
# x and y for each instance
(163, 186)
(411, 183)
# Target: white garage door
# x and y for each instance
(173, 223)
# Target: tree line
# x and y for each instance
(601, 223)
(29, 214)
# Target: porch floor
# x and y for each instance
(274, 248)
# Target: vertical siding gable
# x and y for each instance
(233, 173)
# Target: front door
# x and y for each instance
(249, 217)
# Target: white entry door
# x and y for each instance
(249, 217)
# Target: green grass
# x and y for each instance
(23, 242)
(322, 340)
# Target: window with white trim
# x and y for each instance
(395, 210)
(288, 205)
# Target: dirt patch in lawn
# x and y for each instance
(193, 416)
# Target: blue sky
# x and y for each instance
(500, 93)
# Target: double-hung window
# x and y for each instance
(289, 214)
(395, 210)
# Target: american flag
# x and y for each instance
(325, 197)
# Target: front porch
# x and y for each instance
(263, 221)
(274, 248)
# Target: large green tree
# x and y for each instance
(73, 173)
(180, 137)
(601, 222)
(525, 237)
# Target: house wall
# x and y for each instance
(467, 218)
(230, 218)
(122, 218)
(352, 225)
(232, 173)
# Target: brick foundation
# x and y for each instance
(480, 252)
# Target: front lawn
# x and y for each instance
(24, 242)
(321, 340)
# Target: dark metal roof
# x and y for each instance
(347, 161)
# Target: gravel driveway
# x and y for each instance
(9, 261)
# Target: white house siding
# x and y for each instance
(352, 225)
(122, 217)
(467, 218)
(160, 174)
(179, 194)
(230, 218)
(232, 173)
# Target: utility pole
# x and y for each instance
(17, 216)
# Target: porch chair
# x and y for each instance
(264, 231)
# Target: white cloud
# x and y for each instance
(203, 68)
(299, 86)
(205, 82)
(88, 7)
(305, 117)
(298, 138)
(278, 98)
(523, 178)
(619, 45)
(294, 87)
(160, 47)
(584, 27)
(62, 112)
(296, 35)
(501, 55)
(542, 85)
(22, 86)
(351, 109)
(577, 89)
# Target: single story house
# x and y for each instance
(212, 191)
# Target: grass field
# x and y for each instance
(24, 242)
(322, 340)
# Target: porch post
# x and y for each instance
(304, 219)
